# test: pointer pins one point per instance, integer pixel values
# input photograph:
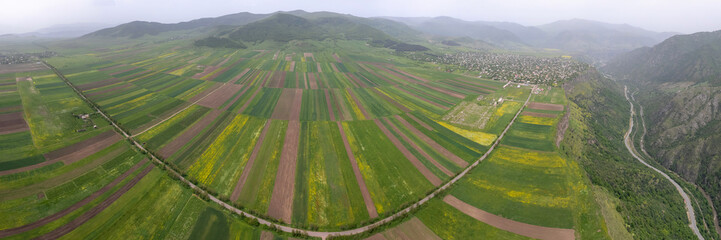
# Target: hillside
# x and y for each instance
(285, 27)
(680, 90)
(685, 58)
(138, 29)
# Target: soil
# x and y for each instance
(372, 212)
(337, 58)
(519, 228)
(217, 98)
(12, 123)
(246, 170)
(292, 66)
(278, 79)
(311, 80)
(204, 93)
(335, 69)
(418, 149)
(235, 99)
(281, 202)
(488, 87)
(13, 231)
(178, 143)
(25, 67)
(289, 104)
(319, 69)
(328, 102)
(412, 158)
(535, 114)
(545, 106)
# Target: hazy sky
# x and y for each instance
(686, 16)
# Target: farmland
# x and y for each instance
(326, 140)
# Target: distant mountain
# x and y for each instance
(138, 29)
(392, 28)
(596, 39)
(68, 30)
(683, 58)
(285, 27)
(452, 27)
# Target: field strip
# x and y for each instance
(370, 206)
(686, 200)
(72, 225)
(281, 227)
(178, 112)
(327, 102)
(187, 135)
(412, 158)
(246, 170)
(525, 229)
(418, 149)
(77, 205)
(281, 202)
(443, 151)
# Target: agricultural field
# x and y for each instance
(328, 139)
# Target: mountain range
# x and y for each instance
(597, 40)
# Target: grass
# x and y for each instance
(258, 188)
(326, 192)
(391, 179)
(450, 223)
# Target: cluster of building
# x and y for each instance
(511, 67)
(20, 58)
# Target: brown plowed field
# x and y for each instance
(519, 228)
(278, 80)
(184, 138)
(292, 67)
(535, 114)
(337, 58)
(401, 76)
(412, 158)
(220, 96)
(236, 98)
(408, 74)
(443, 90)
(26, 67)
(204, 93)
(545, 106)
(12, 123)
(281, 202)
(372, 212)
(72, 225)
(328, 103)
(311, 81)
(418, 149)
(320, 70)
(247, 103)
(411, 230)
(440, 149)
(83, 149)
(390, 82)
(306, 55)
(469, 86)
(81, 203)
(246, 170)
(289, 103)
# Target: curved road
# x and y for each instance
(288, 229)
(686, 200)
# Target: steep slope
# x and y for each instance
(680, 82)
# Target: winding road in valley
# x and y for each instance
(628, 141)
(285, 228)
